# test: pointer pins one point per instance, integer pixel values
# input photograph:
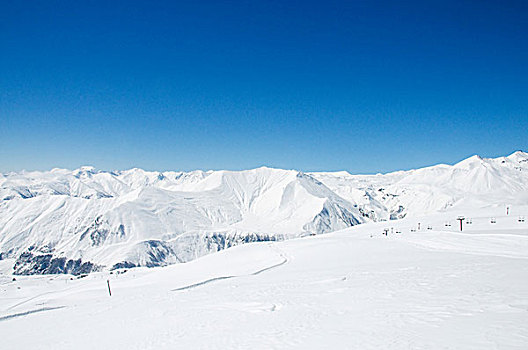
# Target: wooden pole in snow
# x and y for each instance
(109, 291)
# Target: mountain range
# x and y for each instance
(79, 221)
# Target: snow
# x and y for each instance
(141, 218)
(159, 218)
(475, 182)
(424, 285)
(354, 289)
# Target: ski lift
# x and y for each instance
(413, 230)
(429, 227)
(447, 224)
(469, 221)
(493, 220)
(521, 219)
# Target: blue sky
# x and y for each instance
(363, 86)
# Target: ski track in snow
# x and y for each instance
(38, 296)
(204, 282)
(194, 285)
(25, 313)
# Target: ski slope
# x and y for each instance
(435, 288)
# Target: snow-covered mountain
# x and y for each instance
(474, 182)
(79, 221)
(75, 222)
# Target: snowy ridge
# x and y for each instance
(79, 221)
(84, 220)
(475, 182)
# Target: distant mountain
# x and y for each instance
(79, 221)
(474, 182)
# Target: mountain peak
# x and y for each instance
(86, 170)
(470, 162)
(518, 156)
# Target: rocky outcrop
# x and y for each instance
(29, 263)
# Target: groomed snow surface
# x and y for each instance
(432, 288)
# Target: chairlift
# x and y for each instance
(429, 227)
(521, 219)
(493, 221)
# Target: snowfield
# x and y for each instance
(65, 237)
(352, 289)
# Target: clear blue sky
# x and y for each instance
(364, 86)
